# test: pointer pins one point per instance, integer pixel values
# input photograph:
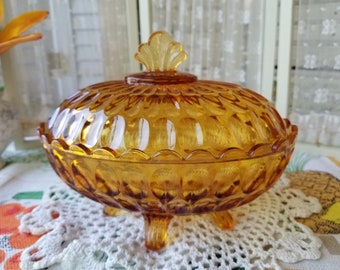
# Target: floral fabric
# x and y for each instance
(13, 242)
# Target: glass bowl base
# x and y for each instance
(156, 225)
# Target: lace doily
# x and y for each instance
(79, 236)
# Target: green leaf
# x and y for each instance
(30, 195)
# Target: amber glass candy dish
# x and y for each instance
(164, 143)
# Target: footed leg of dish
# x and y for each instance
(156, 230)
(223, 219)
(113, 211)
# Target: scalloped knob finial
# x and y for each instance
(161, 53)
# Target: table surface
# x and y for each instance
(23, 182)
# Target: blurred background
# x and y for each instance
(288, 51)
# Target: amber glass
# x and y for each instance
(163, 143)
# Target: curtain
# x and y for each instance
(316, 82)
(223, 39)
(113, 20)
(84, 42)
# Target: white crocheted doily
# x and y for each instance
(79, 236)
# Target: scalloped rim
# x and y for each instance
(170, 156)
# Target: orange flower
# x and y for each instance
(13, 263)
(2, 255)
(8, 217)
(9, 223)
(10, 35)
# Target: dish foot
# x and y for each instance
(113, 211)
(156, 230)
(223, 219)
